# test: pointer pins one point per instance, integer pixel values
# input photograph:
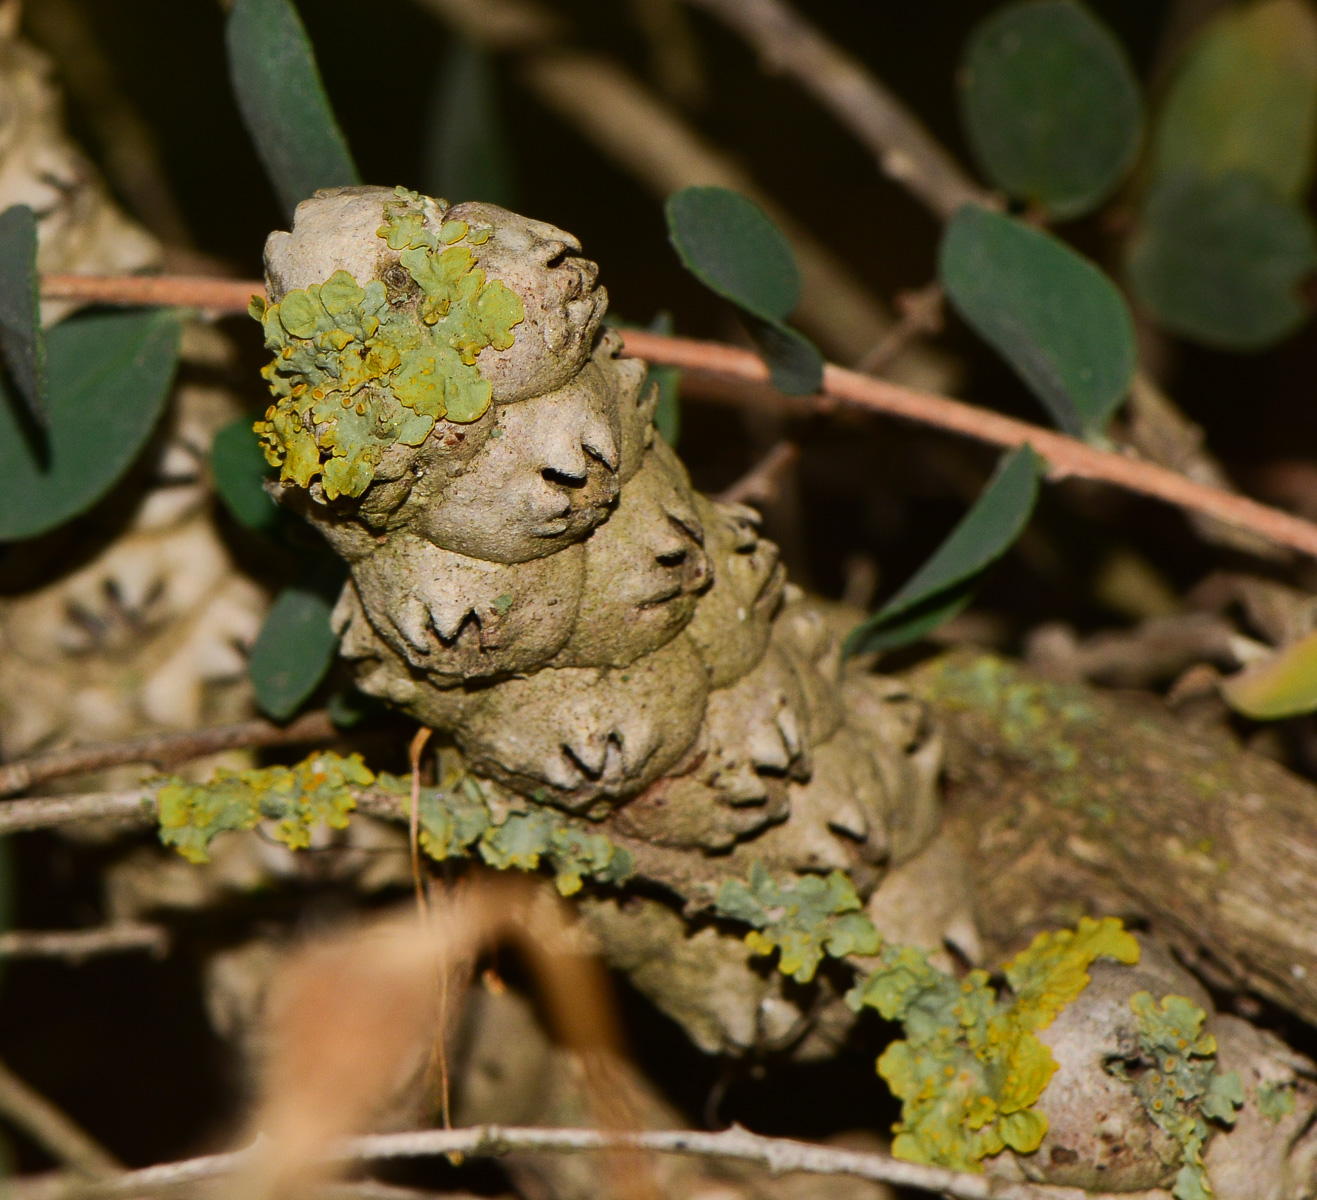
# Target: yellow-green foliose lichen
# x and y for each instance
(296, 798)
(1181, 1091)
(1275, 1101)
(358, 369)
(455, 821)
(802, 919)
(970, 1067)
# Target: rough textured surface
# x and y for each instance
(1068, 800)
(540, 583)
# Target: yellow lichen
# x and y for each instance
(357, 370)
(970, 1067)
(295, 798)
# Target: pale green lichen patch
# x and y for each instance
(1275, 1100)
(970, 1067)
(296, 799)
(802, 919)
(455, 822)
(1181, 1089)
(357, 370)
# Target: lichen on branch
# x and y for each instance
(970, 1067)
(359, 369)
(1180, 1089)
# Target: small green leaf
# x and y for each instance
(21, 338)
(1221, 260)
(109, 376)
(794, 362)
(1283, 685)
(293, 651)
(731, 246)
(468, 157)
(1051, 105)
(1057, 319)
(940, 587)
(238, 465)
(1245, 98)
(283, 103)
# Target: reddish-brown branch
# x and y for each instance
(184, 291)
(160, 748)
(1065, 456)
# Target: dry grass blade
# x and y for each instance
(351, 1021)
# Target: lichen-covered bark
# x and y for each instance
(1069, 800)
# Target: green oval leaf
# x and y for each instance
(293, 651)
(1221, 260)
(1057, 319)
(1283, 685)
(731, 246)
(109, 376)
(1245, 98)
(468, 154)
(1051, 105)
(283, 103)
(941, 587)
(21, 338)
(240, 470)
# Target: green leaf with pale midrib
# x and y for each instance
(283, 102)
(940, 588)
(1051, 105)
(109, 377)
(1057, 319)
(21, 338)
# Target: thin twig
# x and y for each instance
(52, 1129)
(78, 944)
(161, 748)
(185, 291)
(921, 313)
(905, 150)
(777, 1154)
(759, 485)
(1065, 456)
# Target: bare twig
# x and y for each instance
(777, 1154)
(186, 291)
(161, 748)
(921, 313)
(18, 816)
(78, 944)
(759, 484)
(52, 1129)
(1065, 456)
(905, 150)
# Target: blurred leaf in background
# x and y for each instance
(1053, 111)
(944, 584)
(1283, 685)
(1222, 260)
(1225, 242)
(667, 416)
(1057, 319)
(109, 377)
(21, 337)
(240, 470)
(294, 650)
(467, 156)
(283, 103)
(731, 246)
